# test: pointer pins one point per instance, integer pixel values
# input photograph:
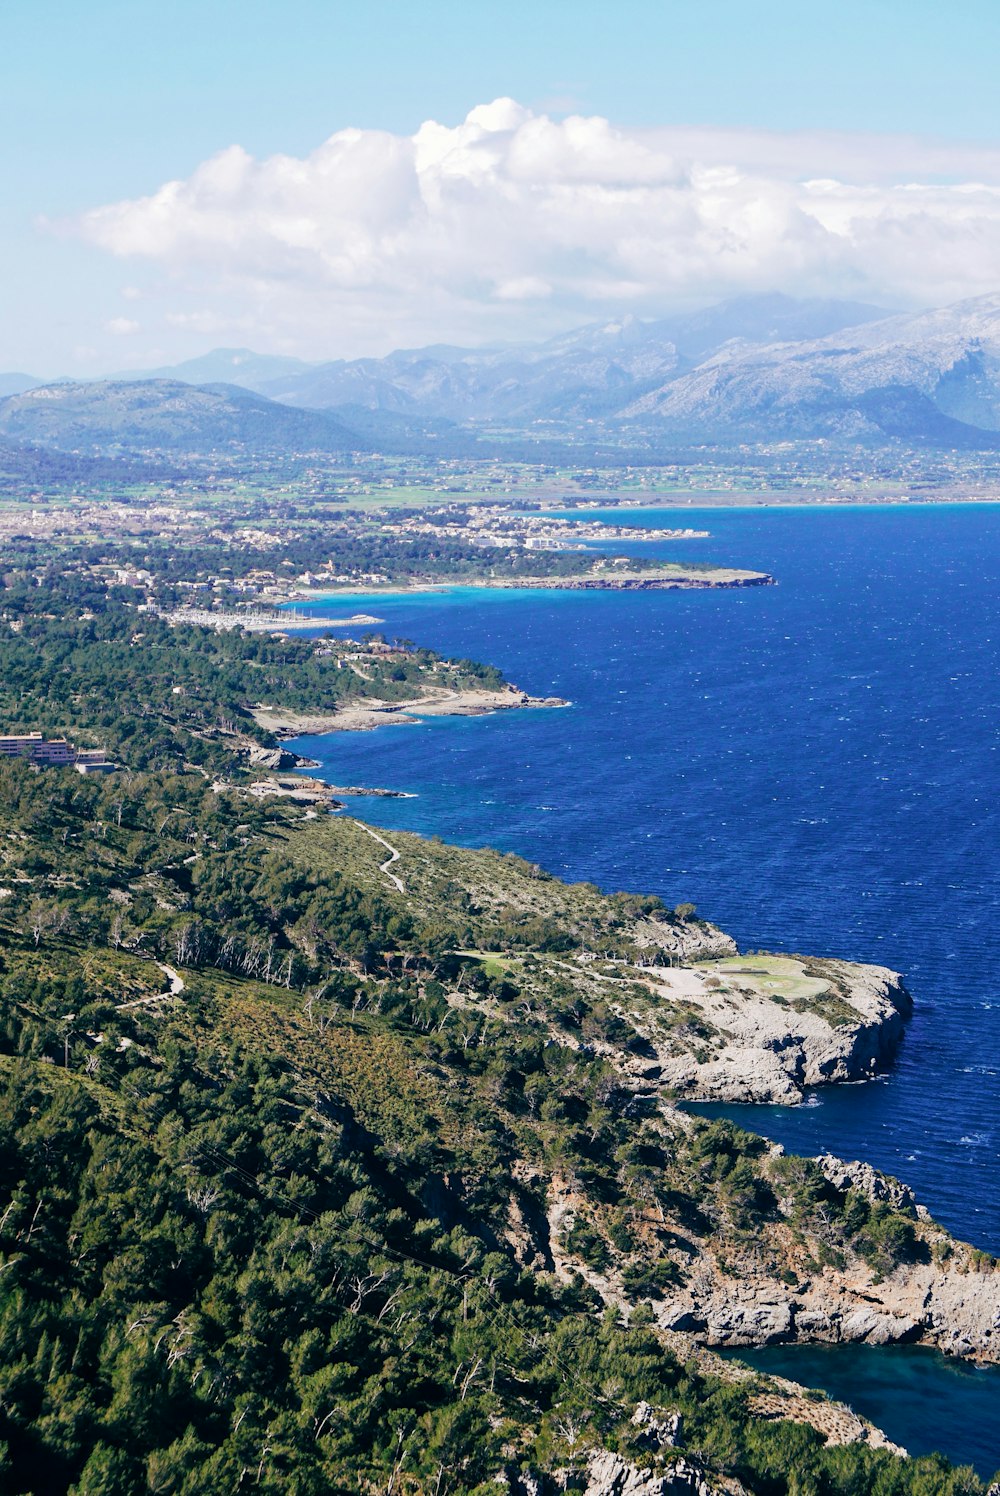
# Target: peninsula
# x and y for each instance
(432, 701)
(618, 575)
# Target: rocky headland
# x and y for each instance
(765, 1028)
(601, 578)
(636, 580)
(371, 713)
(797, 1250)
(736, 1289)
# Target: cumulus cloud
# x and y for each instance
(513, 223)
(122, 327)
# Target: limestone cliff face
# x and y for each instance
(953, 1307)
(765, 1028)
(768, 1288)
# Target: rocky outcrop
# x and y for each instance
(368, 713)
(686, 939)
(610, 1475)
(877, 1187)
(839, 1424)
(273, 758)
(659, 1428)
(765, 1028)
(297, 789)
(947, 1295)
(951, 1304)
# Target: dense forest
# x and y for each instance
(280, 1140)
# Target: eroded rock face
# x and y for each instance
(690, 939)
(659, 1428)
(954, 1306)
(729, 1032)
(272, 758)
(869, 1182)
(611, 1475)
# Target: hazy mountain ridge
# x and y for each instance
(164, 415)
(943, 364)
(755, 369)
(16, 384)
(590, 372)
(240, 366)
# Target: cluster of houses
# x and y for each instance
(51, 752)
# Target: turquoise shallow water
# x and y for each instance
(813, 764)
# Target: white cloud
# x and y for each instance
(513, 224)
(122, 327)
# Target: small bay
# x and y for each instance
(928, 1403)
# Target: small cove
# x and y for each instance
(924, 1401)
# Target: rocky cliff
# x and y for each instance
(764, 1028)
(758, 1266)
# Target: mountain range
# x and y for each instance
(761, 368)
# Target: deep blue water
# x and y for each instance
(813, 764)
(902, 1388)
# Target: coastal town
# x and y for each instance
(497, 525)
(215, 563)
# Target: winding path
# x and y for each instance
(384, 867)
(174, 989)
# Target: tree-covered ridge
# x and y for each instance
(157, 695)
(278, 1162)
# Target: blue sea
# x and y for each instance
(813, 764)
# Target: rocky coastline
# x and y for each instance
(737, 1291)
(626, 582)
(713, 1024)
(767, 1028)
(371, 713)
(948, 1299)
(608, 579)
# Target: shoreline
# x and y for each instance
(720, 579)
(261, 623)
(942, 1293)
(366, 716)
(714, 499)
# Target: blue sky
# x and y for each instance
(108, 101)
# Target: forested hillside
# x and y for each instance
(158, 695)
(322, 1171)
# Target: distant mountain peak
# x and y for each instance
(754, 367)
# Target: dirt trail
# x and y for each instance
(393, 855)
(175, 986)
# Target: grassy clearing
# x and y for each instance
(813, 987)
(777, 976)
